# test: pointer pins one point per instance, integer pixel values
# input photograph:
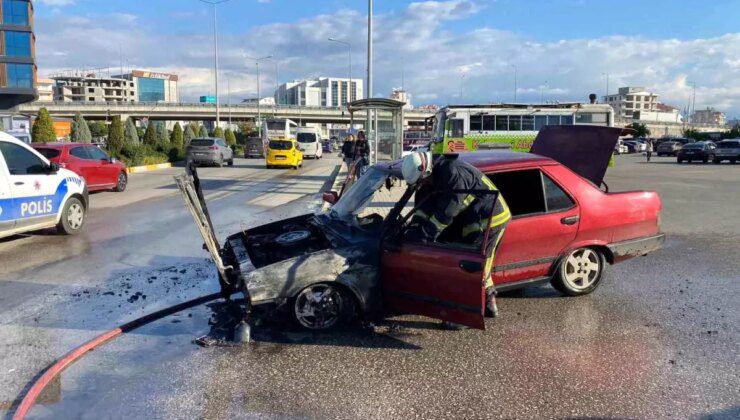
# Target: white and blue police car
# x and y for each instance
(36, 194)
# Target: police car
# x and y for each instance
(36, 194)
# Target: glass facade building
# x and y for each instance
(17, 53)
(151, 90)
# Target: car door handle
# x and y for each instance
(19, 183)
(571, 220)
(471, 266)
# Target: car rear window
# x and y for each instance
(694, 146)
(201, 142)
(48, 153)
(306, 137)
(728, 144)
(281, 145)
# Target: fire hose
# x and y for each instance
(73, 356)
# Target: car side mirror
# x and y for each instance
(112, 159)
(330, 197)
(53, 167)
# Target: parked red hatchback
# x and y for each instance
(100, 171)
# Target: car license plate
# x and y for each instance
(279, 157)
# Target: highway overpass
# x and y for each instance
(204, 112)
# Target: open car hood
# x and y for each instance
(584, 149)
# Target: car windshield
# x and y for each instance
(694, 146)
(281, 145)
(355, 199)
(201, 142)
(728, 144)
(306, 137)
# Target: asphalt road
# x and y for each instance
(658, 339)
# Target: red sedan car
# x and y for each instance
(325, 268)
(100, 171)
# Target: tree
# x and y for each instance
(189, 135)
(150, 135)
(641, 130)
(130, 134)
(218, 132)
(230, 137)
(203, 131)
(194, 126)
(115, 136)
(80, 130)
(163, 136)
(98, 129)
(43, 128)
(247, 128)
(177, 138)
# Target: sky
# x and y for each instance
(444, 51)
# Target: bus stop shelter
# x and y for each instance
(383, 126)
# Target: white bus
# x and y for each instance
(278, 129)
(459, 128)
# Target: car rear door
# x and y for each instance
(81, 163)
(545, 221)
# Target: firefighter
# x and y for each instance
(442, 203)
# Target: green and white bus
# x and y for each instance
(460, 128)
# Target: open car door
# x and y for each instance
(438, 280)
(584, 149)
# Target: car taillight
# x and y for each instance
(213, 147)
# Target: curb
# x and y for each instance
(147, 168)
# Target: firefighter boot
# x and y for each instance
(491, 308)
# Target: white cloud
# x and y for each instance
(56, 3)
(417, 40)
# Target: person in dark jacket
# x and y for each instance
(348, 150)
(362, 152)
(447, 195)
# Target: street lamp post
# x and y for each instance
(214, 3)
(259, 110)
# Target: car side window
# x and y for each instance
(522, 190)
(80, 152)
(96, 154)
(21, 161)
(555, 198)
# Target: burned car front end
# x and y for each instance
(298, 262)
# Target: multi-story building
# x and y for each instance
(89, 87)
(323, 91)
(153, 86)
(17, 53)
(402, 96)
(45, 89)
(631, 99)
(709, 116)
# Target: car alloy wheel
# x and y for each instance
(581, 269)
(121, 182)
(320, 307)
(75, 216)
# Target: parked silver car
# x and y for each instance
(669, 148)
(727, 150)
(210, 151)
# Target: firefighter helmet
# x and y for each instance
(416, 166)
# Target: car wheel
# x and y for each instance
(321, 307)
(733, 160)
(73, 217)
(231, 162)
(715, 160)
(679, 160)
(220, 162)
(121, 182)
(580, 272)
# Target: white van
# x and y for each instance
(310, 141)
(37, 194)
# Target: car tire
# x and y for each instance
(231, 162)
(322, 307)
(733, 160)
(121, 182)
(679, 160)
(73, 217)
(715, 160)
(579, 272)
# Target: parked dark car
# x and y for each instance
(100, 171)
(254, 148)
(727, 150)
(669, 148)
(631, 146)
(703, 151)
(210, 151)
